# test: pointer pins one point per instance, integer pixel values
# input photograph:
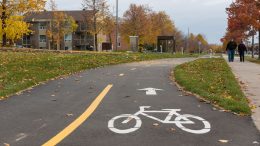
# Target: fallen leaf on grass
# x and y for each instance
(6, 144)
(223, 141)
(1, 87)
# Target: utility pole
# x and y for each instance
(199, 47)
(3, 18)
(188, 39)
(116, 25)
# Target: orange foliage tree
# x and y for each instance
(243, 19)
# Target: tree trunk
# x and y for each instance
(58, 44)
(259, 43)
(96, 42)
(95, 33)
(253, 44)
(3, 18)
(95, 25)
(110, 40)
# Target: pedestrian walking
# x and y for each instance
(231, 47)
(241, 50)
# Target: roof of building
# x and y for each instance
(78, 15)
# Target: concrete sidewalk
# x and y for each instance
(249, 74)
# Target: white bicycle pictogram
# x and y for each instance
(180, 120)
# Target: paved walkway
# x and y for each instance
(249, 75)
(86, 105)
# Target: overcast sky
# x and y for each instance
(207, 17)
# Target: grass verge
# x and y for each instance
(213, 80)
(21, 70)
(254, 60)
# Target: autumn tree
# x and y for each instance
(141, 21)
(60, 25)
(197, 42)
(216, 48)
(109, 27)
(243, 19)
(12, 33)
(10, 8)
(136, 22)
(179, 40)
(161, 25)
(203, 44)
(100, 12)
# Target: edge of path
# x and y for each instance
(248, 80)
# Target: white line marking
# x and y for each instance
(180, 121)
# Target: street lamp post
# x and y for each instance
(199, 47)
(173, 44)
(116, 25)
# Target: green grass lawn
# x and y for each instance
(21, 70)
(213, 80)
(254, 60)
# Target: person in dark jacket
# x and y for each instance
(231, 47)
(241, 50)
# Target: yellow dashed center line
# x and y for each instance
(75, 124)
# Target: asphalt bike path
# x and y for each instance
(119, 105)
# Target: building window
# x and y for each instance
(42, 25)
(68, 37)
(82, 37)
(42, 38)
(83, 26)
(26, 40)
(119, 41)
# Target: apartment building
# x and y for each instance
(81, 39)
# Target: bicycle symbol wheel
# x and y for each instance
(127, 118)
(184, 117)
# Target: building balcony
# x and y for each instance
(79, 42)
